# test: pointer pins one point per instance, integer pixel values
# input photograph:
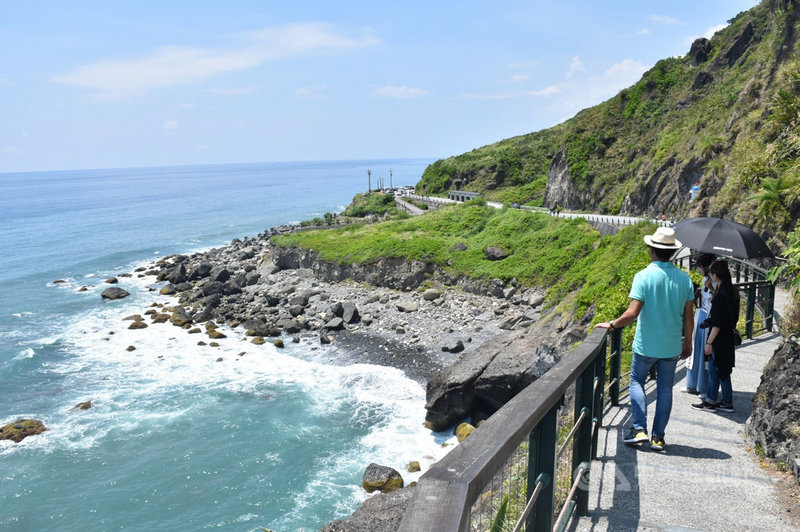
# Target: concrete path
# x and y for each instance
(708, 477)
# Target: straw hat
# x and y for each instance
(663, 238)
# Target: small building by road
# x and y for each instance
(461, 195)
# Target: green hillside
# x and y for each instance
(725, 115)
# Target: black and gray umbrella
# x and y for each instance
(721, 237)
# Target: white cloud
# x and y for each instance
(188, 105)
(508, 95)
(628, 71)
(575, 66)
(391, 91)
(9, 149)
(180, 65)
(713, 29)
(170, 126)
(664, 19)
(514, 78)
(643, 31)
(4, 82)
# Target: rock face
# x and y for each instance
(383, 478)
(381, 513)
(774, 423)
(698, 53)
(486, 378)
(21, 429)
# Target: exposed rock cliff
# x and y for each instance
(774, 423)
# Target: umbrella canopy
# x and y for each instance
(721, 237)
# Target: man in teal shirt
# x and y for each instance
(662, 298)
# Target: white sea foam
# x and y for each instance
(25, 353)
(168, 377)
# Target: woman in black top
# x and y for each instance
(720, 342)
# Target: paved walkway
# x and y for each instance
(706, 479)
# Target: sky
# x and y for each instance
(111, 84)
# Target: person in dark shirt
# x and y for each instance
(720, 345)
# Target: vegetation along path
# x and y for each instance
(707, 478)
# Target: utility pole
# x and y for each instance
(390, 178)
(369, 180)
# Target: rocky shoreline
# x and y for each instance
(475, 343)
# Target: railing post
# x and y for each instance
(769, 307)
(599, 395)
(616, 363)
(751, 310)
(542, 459)
(582, 449)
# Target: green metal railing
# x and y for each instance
(754, 289)
(444, 496)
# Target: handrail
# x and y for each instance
(445, 493)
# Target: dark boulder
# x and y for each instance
(220, 274)
(495, 253)
(21, 429)
(455, 348)
(336, 324)
(383, 478)
(114, 293)
(200, 272)
(698, 53)
(213, 288)
(177, 274)
(350, 312)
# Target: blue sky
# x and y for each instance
(102, 84)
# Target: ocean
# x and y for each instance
(179, 437)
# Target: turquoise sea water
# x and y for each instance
(176, 438)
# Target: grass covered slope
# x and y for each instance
(554, 253)
(725, 115)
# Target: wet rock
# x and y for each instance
(413, 467)
(114, 293)
(112, 280)
(86, 405)
(383, 478)
(138, 325)
(278, 342)
(21, 429)
(167, 290)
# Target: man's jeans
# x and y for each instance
(665, 368)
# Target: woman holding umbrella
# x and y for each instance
(720, 341)
(696, 376)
